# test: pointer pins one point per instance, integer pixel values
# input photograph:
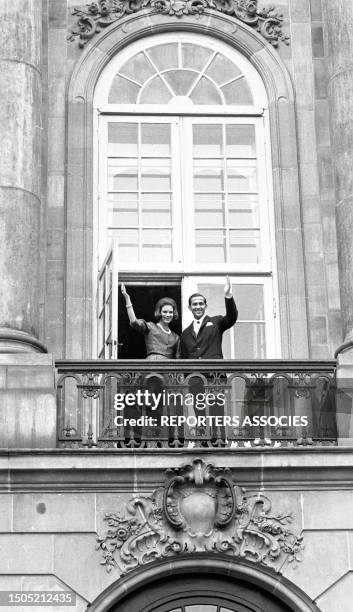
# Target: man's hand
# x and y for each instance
(227, 288)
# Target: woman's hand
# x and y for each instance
(124, 292)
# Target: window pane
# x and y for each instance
(250, 340)
(155, 174)
(240, 141)
(244, 246)
(222, 69)
(123, 139)
(250, 301)
(201, 608)
(155, 92)
(205, 93)
(122, 174)
(123, 209)
(207, 141)
(194, 56)
(123, 91)
(128, 244)
(210, 246)
(180, 81)
(242, 211)
(237, 92)
(138, 68)
(155, 139)
(212, 201)
(208, 175)
(156, 246)
(241, 175)
(164, 56)
(209, 211)
(156, 210)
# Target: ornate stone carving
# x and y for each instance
(199, 509)
(92, 18)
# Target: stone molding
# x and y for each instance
(17, 341)
(198, 510)
(99, 15)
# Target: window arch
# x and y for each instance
(113, 43)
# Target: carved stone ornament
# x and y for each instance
(92, 18)
(199, 509)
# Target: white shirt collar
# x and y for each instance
(197, 324)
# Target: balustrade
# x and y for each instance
(188, 404)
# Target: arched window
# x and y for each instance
(183, 185)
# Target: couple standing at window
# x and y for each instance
(201, 340)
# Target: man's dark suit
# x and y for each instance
(208, 342)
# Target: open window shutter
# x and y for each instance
(107, 305)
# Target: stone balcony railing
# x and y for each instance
(133, 404)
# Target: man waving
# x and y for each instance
(203, 338)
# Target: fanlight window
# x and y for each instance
(177, 72)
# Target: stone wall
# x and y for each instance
(53, 504)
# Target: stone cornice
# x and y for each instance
(102, 470)
(94, 17)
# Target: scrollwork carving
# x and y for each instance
(199, 509)
(96, 16)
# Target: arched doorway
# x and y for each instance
(192, 593)
(203, 583)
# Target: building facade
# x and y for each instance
(165, 145)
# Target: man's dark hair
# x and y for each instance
(197, 295)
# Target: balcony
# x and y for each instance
(138, 404)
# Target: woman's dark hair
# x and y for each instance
(166, 301)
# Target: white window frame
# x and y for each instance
(101, 239)
(264, 273)
(272, 331)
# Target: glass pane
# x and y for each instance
(157, 246)
(194, 56)
(155, 139)
(155, 92)
(123, 91)
(208, 175)
(237, 92)
(156, 210)
(209, 218)
(128, 244)
(210, 246)
(164, 56)
(209, 211)
(122, 174)
(207, 141)
(123, 139)
(205, 92)
(212, 201)
(180, 81)
(222, 70)
(242, 211)
(123, 209)
(201, 608)
(250, 302)
(155, 174)
(138, 68)
(244, 246)
(240, 141)
(250, 341)
(241, 175)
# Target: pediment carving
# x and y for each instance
(94, 17)
(199, 509)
